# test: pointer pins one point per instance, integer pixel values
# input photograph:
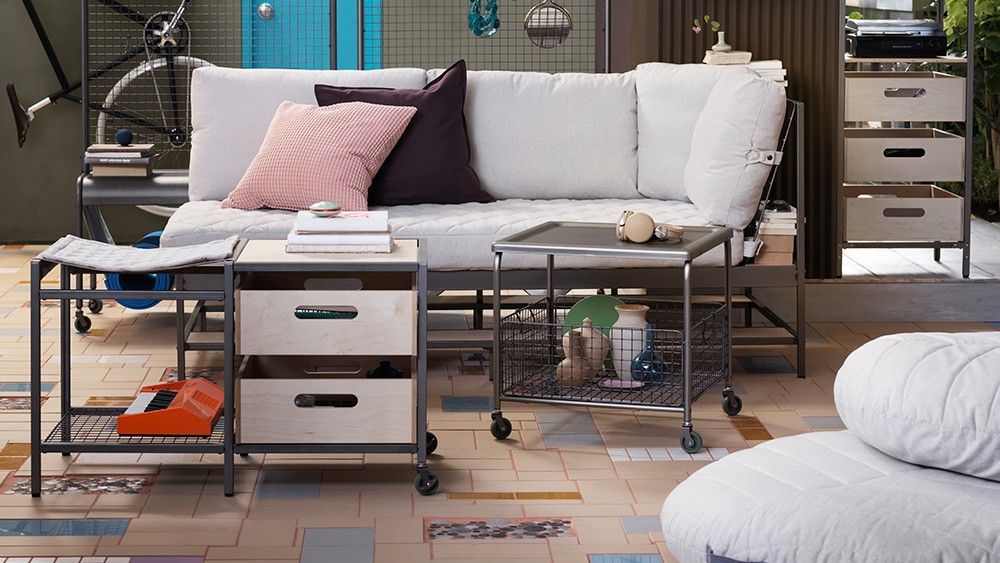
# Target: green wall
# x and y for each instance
(38, 183)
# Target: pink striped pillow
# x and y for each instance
(315, 154)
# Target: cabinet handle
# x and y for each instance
(903, 212)
(334, 312)
(310, 400)
(905, 92)
(354, 368)
(904, 153)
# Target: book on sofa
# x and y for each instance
(350, 231)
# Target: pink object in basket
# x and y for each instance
(315, 154)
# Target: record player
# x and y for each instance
(895, 38)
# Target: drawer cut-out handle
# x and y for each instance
(330, 312)
(333, 284)
(324, 400)
(905, 92)
(353, 368)
(904, 212)
(905, 153)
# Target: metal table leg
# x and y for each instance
(36, 379)
(65, 356)
(690, 440)
(229, 410)
(181, 337)
(731, 404)
(426, 482)
(500, 427)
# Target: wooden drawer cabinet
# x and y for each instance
(291, 322)
(904, 96)
(903, 155)
(303, 400)
(913, 213)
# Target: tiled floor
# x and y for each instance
(571, 485)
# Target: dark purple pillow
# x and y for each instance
(430, 164)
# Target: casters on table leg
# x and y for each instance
(82, 323)
(95, 306)
(426, 482)
(731, 403)
(244, 455)
(432, 443)
(500, 427)
(690, 440)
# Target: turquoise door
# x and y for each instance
(287, 34)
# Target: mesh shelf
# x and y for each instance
(98, 426)
(532, 346)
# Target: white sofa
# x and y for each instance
(915, 478)
(579, 147)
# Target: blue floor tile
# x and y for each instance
(825, 422)
(572, 440)
(768, 365)
(465, 404)
(347, 545)
(281, 484)
(641, 524)
(337, 554)
(24, 387)
(625, 558)
(338, 536)
(77, 527)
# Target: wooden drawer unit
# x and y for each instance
(302, 400)
(292, 322)
(904, 96)
(913, 213)
(903, 155)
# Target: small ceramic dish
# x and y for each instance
(325, 209)
(622, 384)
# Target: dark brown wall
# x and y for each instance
(805, 34)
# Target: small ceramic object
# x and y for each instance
(124, 137)
(325, 209)
(623, 384)
(575, 366)
(671, 234)
(635, 227)
(648, 366)
(600, 309)
(628, 337)
(722, 46)
(595, 345)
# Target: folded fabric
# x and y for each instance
(103, 257)
(430, 164)
(315, 154)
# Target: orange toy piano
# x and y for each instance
(182, 408)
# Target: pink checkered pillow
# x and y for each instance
(315, 154)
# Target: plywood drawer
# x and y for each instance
(280, 400)
(902, 214)
(904, 96)
(903, 155)
(376, 322)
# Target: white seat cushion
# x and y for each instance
(459, 237)
(830, 497)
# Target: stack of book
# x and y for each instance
(110, 160)
(727, 58)
(350, 231)
(771, 70)
(777, 237)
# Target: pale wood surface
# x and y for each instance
(871, 219)
(892, 60)
(943, 97)
(273, 252)
(864, 159)
(385, 324)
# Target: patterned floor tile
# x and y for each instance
(16, 403)
(498, 529)
(82, 484)
(102, 401)
(626, 558)
(664, 454)
(58, 527)
(824, 422)
(465, 404)
(750, 427)
(212, 374)
(765, 365)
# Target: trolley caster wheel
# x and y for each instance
(82, 324)
(95, 306)
(732, 405)
(691, 442)
(426, 484)
(501, 428)
(432, 443)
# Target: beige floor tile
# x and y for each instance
(268, 532)
(605, 492)
(399, 530)
(400, 552)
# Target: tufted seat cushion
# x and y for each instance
(829, 497)
(459, 237)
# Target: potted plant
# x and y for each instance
(711, 23)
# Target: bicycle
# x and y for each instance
(164, 42)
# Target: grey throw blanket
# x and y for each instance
(93, 255)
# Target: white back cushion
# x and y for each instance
(231, 109)
(670, 100)
(732, 148)
(929, 399)
(550, 136)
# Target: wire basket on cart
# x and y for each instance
(544, 358)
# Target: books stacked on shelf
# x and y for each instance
(347, 232)
(727, 58)
(777, 237)
(110, 160)
(771, 70)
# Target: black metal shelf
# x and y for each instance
(94, 429)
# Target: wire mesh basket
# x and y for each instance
(544, 357)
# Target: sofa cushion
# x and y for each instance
(548, 136)
(929, 399)
(670, 98)
(431, 162)
(732, 148)
(231, 109)
(827, 496)
(459, 237)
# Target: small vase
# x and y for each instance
(648, 366)
(722, 46)
(628, 337)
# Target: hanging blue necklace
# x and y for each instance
(483, 25)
